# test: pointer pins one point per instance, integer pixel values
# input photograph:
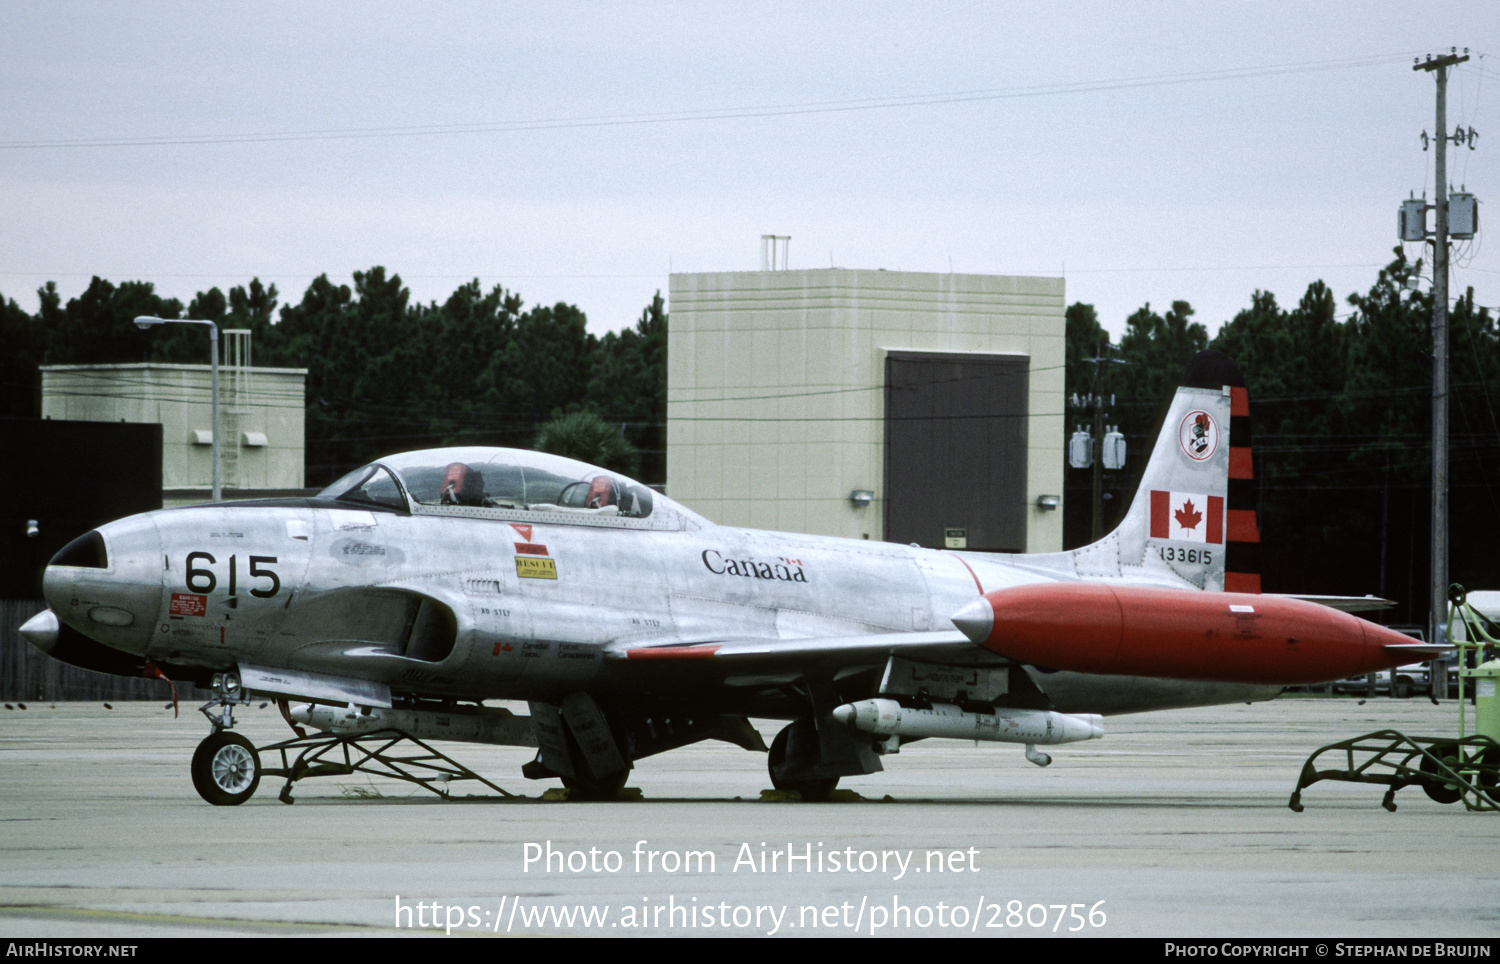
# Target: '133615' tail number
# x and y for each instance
(1197, 557)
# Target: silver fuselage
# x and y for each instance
(541, 608)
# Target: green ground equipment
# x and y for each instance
(1448, 770)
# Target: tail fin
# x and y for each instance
(1193, 521)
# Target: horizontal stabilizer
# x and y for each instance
(1345, 604)
(1430, 650)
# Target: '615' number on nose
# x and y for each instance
(202, 579)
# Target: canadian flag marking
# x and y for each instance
(1187, 517)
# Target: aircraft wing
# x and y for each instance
(944, 646)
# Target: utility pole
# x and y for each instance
(1096, 529)
(1099, 449)
(1438, 67)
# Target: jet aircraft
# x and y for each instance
(415, 588)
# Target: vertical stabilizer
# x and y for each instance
(1192, 522)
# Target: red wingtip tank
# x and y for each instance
(1178, 634)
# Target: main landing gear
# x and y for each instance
(811, 753)
(810, 790)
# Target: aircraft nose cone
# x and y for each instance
(41, 630)
(976, 620)
(107, 584)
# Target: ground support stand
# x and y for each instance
(378, 753)
(1447, 769)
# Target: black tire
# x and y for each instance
(1435, 785)
(1401, 689)
(811, 791)
(226, 769)
(596, 788)
(583, 785)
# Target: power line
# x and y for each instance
(1239, 267)
(718, 113)
(313, 274)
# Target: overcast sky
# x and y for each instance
(581, 152)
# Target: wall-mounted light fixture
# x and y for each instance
(1048, 502)
(862, 497)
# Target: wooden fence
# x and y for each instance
(29, 675)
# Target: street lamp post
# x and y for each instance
(145, 322)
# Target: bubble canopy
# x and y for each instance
(481, 482)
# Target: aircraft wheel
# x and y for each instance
(1435, 786)
(607, 787)
(1401, 689)
(226, 769)
(811, 791)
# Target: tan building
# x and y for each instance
(260, 414)
(780, 412)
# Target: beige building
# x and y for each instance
(778, 392)
(260, 414)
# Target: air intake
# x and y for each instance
(86, 552)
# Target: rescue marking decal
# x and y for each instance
(524, 528)
(529, 568)
(531, 548)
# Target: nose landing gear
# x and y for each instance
(226, 768)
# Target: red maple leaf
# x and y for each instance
(1186, 517)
